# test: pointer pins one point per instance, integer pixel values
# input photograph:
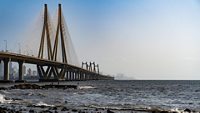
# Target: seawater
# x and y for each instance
(117, 94)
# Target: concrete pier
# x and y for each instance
(21, 76)
(6, 69)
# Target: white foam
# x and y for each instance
(43, 104)
(177, 110)
(86, 87)
(3, 100)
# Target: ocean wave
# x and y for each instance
(4, 100)
(142, 108)
(43, 104)
(177, 110)
(4, 92)
(86, 87)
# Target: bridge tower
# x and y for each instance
(46, 72)
(59, 29)
(45, 32)
(43, 70)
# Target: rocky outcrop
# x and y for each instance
(35, 86)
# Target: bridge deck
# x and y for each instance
(42, 62)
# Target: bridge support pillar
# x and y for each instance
(81, 76)
(21, 76)
(6, 69)
(84, 75)
(76, 75)
(66, 75)
(72, 75)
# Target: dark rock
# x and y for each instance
(35, 86)
(53, 108)
(81, 112)
(2, 111)
(26, 86)
(164, 112)
(64, 109)
(4, 108)
(7, 98)
(74, 110)
(18, 112)
(157, 111)
(12, 106)
(11, 111)
(15, 99)
(42, 106)
(187, 110)
(55, 112)
(108, 111)
(31, 111)
(46, 111)
(3, 88)
(60, 86)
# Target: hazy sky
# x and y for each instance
(143, 39)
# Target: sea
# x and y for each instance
(118, 95)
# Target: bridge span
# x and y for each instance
(70, 72)
(49, 68)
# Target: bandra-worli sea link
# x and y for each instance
(51, 69)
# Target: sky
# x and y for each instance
(131, 39)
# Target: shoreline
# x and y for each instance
(15, 107)
(64, 109)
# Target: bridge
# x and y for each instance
(52, 61)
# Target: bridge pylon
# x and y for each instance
(45, 33)
(60, 37)
(46, 72)
(59, 30)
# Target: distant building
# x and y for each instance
(29, 72)
(10, 67)
(15, 72)
(34, 73)
(11, 70)
(24, 70)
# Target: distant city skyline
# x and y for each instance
(139, 39)
(28, 71)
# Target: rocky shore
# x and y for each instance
(41, 108)
(62, 109)
(35, 86)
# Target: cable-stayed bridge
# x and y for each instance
(56, 58)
